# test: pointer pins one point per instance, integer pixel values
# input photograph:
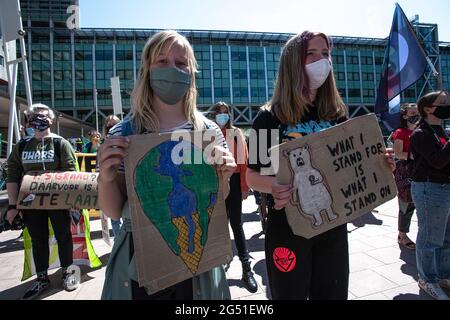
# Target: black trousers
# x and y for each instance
(300, 268)
(37, 223)
(233, 204)
(405, 213)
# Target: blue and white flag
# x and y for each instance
(404, 64)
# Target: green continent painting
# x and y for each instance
(178, 198)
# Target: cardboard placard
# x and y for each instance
(105, 228)
(179, 221)
(338, 174)
(59, 190)
(87, 162)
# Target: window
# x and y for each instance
(379, 60)
(340, 59)
(368, 93)
(354, 92)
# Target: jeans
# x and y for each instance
(37, 223)
(432, 202)
(405, 212)
(116, 224)
(234, 210)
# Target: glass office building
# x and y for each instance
(71, 69)
(2, 62)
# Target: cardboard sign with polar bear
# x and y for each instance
(338, 175)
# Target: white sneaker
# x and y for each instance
(433, 290)
(444, 283)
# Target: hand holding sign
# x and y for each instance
(110, 155)
(337, 175)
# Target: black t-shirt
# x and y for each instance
(431, 151)
(277, 132)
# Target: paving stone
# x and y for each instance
(361, 261)
(386, 255)
(376, 296)
(400, 273)
(368, 282)
(378, 267)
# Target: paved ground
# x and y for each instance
(379, 269)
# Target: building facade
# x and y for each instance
(71, 68)
(3, 77)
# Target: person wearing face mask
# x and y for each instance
(305, 100)
(409, 117)
(430, 188)
(110, 121)
(92, 146)
(238, 188)
(27, 130)
(41, 152)
(163, 100)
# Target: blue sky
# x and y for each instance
(360, 18)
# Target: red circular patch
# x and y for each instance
(284, 259)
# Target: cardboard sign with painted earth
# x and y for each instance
(338, 175)
(178, 215)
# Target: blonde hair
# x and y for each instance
(291, 94)
(142, 110)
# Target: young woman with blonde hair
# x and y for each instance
(163, 100)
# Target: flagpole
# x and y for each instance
(435, 73)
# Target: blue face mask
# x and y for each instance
(222, 119)
(30, 132)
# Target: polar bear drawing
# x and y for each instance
(310, 191)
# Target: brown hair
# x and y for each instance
(404, 112)
(108, 119)
(216, 109)
(427, 101)
(291, 94)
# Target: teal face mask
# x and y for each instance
(170, 84)
(30, 132)
(222, 119)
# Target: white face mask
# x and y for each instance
(318, 72)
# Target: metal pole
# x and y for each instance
(25, 71)
(435, 73)
(57, 124)
(16, 127)
(12, 123)
(96, 110)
